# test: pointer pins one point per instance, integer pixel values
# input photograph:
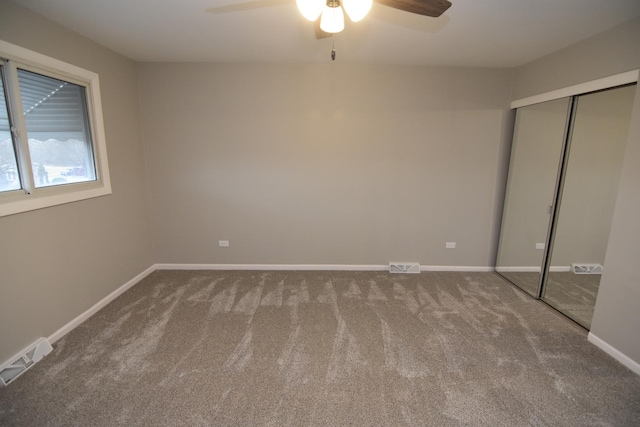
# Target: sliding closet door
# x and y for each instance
(588, 192)
(536, 154)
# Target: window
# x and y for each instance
(9, 179)
(52, 147)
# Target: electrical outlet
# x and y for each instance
(450, 245)
(223, 243)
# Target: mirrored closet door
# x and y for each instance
(536, 150)
(566, 160)
(585, 208)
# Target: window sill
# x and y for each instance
(25, 203)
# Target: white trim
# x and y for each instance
(552, 269)
(97, 306)
(293, 267)
(312, 267)
(593, 85)
(615, 353)
(560, 269)
(18, 201)
(31, 57)
(468, 268)
(100, 139)
(521, 269)
(38, 202)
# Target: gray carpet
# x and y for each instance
(528, 281)
(324, 348)
(572, 294)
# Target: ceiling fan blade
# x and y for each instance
(319, 33)
(433, 8)
(248, 5)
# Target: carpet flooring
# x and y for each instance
(572, 294)
(527, 281)
(223, 348)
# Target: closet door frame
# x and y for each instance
(580, 89)
(572, 92)
(557, 195)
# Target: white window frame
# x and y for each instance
(13, 202)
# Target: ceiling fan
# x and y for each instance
(328, 15)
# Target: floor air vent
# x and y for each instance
(586, 268)
(404, 267)
(19, 364)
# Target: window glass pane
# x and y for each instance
(55, 114)
(9, 179)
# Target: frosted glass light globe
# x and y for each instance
(332, 20)
(311, 9)
(357, 9)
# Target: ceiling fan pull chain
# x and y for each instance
(333, 49)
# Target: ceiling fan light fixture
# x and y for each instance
(332, 19)
(357, 9)
(311, 9)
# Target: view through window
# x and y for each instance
(52, 144)
(55, 115)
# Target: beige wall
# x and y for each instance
(616, 317)
(608, 53)
(324, 164)
(57, 262)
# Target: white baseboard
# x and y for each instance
(314, 267)
(560, 269)
(519, 269)
(97, 306)
(468, 268)
(529, 269)
(615, 353)
(273, 267)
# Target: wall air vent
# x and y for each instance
(586, 268)
(24, 360)
(404, 267)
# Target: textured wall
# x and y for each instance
(57, 262)
(324, 164)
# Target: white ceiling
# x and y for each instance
(485, 33)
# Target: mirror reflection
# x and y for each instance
(533, 173)
(589, 190)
